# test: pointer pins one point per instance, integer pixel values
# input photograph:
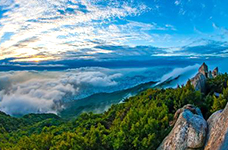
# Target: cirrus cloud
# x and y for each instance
(52, 27)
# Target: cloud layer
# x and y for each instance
(28, 92)
(23, 92)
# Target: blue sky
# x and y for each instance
(52, 48)
(47, 30)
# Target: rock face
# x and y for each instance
(215, 72)
(210, 74)
(189, 131)
(199, 81)
(217, 136)
(204, 70)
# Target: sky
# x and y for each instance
(99, 30)
(52, 51)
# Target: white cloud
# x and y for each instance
(23, 104)
(25, 92)
(215, 26)
(39, 95)
(47, 26)
(5, 3)
(93, 78)
(182, 75)
(177, 2)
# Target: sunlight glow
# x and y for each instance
(36, 59)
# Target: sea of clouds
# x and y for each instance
(23, 92)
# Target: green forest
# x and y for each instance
(141, 122)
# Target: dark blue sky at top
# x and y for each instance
(186, 15)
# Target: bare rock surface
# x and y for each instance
(203, 70)
(210, 74)
(217, 136)
(199, 80)
(215, 72)
(189, 131)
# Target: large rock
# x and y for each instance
(199, 81)
(203, 70)
(217, 137)
(210, 74)
(215, 72)
(189, 131)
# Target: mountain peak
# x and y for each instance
(199, 80)
(215, 72)
(204, 69)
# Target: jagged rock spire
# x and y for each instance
(199, 81)
(210, 74)
(204, 69)
(215, 72)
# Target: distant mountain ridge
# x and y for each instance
(100, 102)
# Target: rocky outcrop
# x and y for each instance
(199, 81)
(215, 72)
(217, 136)
(210, 74)
(179, 111)
(203, 70)
(189, 131)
